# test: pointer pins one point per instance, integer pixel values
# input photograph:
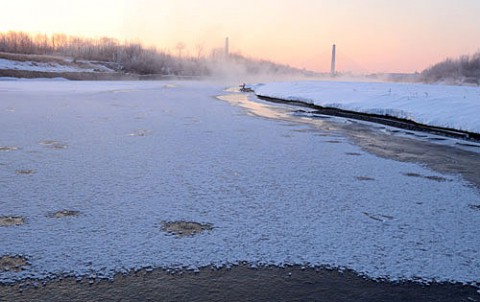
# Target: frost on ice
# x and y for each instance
(275, 192)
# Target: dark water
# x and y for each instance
(240, 283)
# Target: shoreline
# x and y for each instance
(88, 76)
(380, 119)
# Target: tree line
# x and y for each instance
(463, 70)
(132, 57)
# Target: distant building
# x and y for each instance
(332, 69)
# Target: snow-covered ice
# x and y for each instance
(135, 154)
(453, 107)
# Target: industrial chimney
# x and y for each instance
(332, 70)
(226, 47)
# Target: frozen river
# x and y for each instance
(276, 188)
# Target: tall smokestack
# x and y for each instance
(332, 70)
(226, 47)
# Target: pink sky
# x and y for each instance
(371, 35)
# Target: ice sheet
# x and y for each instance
(130, 155)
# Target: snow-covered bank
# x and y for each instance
(52, 66)
(44, 67)
(452, 107)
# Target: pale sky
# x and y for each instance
(371, 35)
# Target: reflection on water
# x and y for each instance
(254, 108)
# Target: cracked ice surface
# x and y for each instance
(274, 192)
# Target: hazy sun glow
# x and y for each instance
(371, 35)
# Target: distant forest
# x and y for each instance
(464, 70)
(134, 58)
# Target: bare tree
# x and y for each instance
(199, 48)
(41, 44)
(465, 69)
